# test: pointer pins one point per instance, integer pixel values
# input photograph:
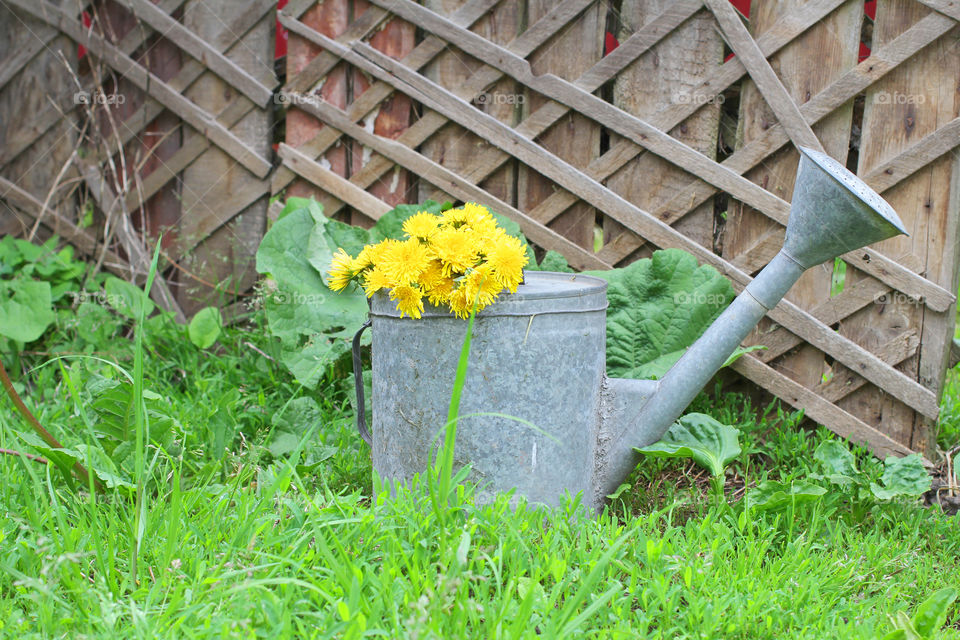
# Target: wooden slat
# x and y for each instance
(307, 168)
(576, 140)
(762, 74)
(451, 182)
(946, 7)
(435, 97)
(150, 83)
(15, 62)
(259, 90)
(818, 408)
(228, 38)
(888, 174)
(666, 74)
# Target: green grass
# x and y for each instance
(241, 538)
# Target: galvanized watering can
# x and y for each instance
(538, 412)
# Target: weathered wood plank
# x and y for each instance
(149, 83)
(34, 153)
(256, 84)
(909, 103)
(451, 183)
(213, 180)
(762, 74)
(451, 145)
(576, 137)
(663, 75)
(340, 187)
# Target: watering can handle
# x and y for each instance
(358, 382)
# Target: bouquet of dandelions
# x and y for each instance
(454, 260)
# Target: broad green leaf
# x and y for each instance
(25, 309)
(659, 306)
(299, 416)
(314, 324)
(838, 463)
(696, 435)
(292, 424)
(932, 612)
(127, 299)
(282, 443)
(771, 495)
(205, 326)
(283, 254)
(904, 627)
(902, 477)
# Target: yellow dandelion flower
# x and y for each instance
(376, 279)
(480, 285)
(405, 261)
(431, 275)
(421, 225)
(507, 258)
(439, 293)
(459, 306)
(453, 218)
(409, 300)
(456, 249)
(341, 271)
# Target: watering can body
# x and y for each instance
(531, 397)
(537, 362)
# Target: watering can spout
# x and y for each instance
(832, 212)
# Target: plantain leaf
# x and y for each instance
(902, 477)
(932, 612)
(771, 495)
(709, 443)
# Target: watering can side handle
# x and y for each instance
(358, 385)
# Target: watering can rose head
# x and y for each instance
(451, 259)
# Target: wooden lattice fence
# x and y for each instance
(605, 128)
(664, 142)
(166, 124)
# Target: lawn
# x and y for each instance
(250, 512)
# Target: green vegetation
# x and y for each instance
(237, 502)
